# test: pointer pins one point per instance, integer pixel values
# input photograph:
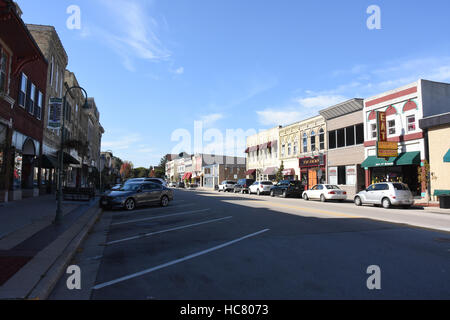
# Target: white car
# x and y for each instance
(386, 194)
(260, 187)
(324, 192)
(227, 185)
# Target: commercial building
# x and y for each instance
(437, 138)
(345, 131)
(312, 165)
(404, 107)
(223, 168)
(23, 78)
(262, 155)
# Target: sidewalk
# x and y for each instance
(34, 251)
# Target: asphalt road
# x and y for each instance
(208, 245)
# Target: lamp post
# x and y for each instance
(58, 216)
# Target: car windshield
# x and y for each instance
(267, 183)
(130, 187)
(399, 186)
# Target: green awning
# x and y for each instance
(447, 156)
(438, 193)
(404, 159)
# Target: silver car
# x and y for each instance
(386, 194)
(227, 185)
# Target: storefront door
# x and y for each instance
(312, 178)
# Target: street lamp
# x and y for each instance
(58, 216)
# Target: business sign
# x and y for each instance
(312, 162)
(385, 149)
(55, 113)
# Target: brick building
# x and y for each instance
(23, 77)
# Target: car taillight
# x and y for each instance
(393, 197)
(331, 192)
(261, 186)
(245, 186)
(345, 192)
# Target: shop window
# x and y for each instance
(350, 136)
(340, 138)
(342, 178)
(332, 140)
(359, 129)
(350, 175)
(411, 120)
(391, 127)
(333, 175)
(322, 139)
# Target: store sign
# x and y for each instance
(387, 149)
(55, 113)
(312, 162)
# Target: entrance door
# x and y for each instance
(312, 178)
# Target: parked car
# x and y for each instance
(288, 188)
(173, 185)
(227, 185)
(260, 187)
(116, 187)
(132, 195)
(386, 194)
(243, 185)
(325, 192)
(156, 180)
(181, 185)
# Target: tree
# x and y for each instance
(126, 169)
(279, 175)
(140, 172)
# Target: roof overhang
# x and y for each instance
(343, 108)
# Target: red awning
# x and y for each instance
(263, 146)
(253, 149)
(288, 172)
(271, 171)
(187, 176)
(250, 172)
(247, 150)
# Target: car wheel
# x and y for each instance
(358, 201)
(164, 201)
(242, 191)
(130, 204)
(258, 192)
(284, 194)
(305, 197)
(386, 203)
(272, 194)
(322, 198)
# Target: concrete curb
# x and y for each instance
(37, 279)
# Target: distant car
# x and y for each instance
(386, 194)
(227, 185)
(132, 195)
(181, 185)
(325, 192)
(172, 185)
(288, 188)
(260, 187)
(243, 185)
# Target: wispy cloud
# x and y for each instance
(277, 116)
(320, 101)
(122, 143)
(135, 35)
(210, 119)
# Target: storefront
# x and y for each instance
(313, 171)
(289, 174)
(405, 168)
(270, 174)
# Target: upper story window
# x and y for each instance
(283, 147)
(373, 131)
(4, 63)
(57, 82)
(313, 141)
(305, 143)
(391, 127)
(51, 70)
(289, 149)
(295, 147)
(39, 104)
(411, 121)
(346, 137)
(322, 139)
(23, 90)
(32, 99)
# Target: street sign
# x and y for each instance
(55, 113)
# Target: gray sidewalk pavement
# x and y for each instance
(33, 250)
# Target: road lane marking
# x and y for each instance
(160, 217)
(158, 208)
(171, 263)
(167, 230)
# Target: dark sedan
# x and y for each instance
(243, 185)
(287, 189)
(132, 195)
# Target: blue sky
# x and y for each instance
(157, 66)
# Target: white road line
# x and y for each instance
(159, 217)
(167, 230)
(153, 209)
(189, 257)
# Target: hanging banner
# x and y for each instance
(54, 113)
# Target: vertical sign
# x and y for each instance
(381, 126)
(55, 113)
(385, 148)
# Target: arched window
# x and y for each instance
(313, 141)
(305, 143)
(322, 139)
